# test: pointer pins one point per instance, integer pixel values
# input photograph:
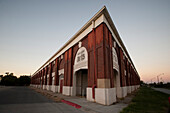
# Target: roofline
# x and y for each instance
(107, 15)
(104, 11)
(99, 13)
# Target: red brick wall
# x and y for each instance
(99, 45)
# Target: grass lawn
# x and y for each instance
(148, 100)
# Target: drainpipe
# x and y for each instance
(95, 75)
(93, 90)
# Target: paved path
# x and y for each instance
(92, 107)
(167, 91)
(25, 100)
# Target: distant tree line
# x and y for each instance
(10, 80)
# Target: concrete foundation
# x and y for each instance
(129, 89)
(48, 87)
(89, 94)
(119, 92)
(105, 96)
(66, 90)
(44, 87)
(124, 91)
(54, 88)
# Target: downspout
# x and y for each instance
(95, 75)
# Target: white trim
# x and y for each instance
(61, 71)
(96, 20)
(115, 60)
(82, 63)
(116, 39)
(76, 38)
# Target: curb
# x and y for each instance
(71, 103)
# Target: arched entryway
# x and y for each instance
(81, 82)
(116, 73)
(80, 75)
(61, 81)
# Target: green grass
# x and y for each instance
(148, 100)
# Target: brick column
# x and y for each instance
(56, 80)
(50, 74)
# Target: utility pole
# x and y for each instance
(158, 77)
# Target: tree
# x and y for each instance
(1, 76)
(9, 80)
(24, 80)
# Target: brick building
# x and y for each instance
(94, 64)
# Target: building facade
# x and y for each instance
(94, 64)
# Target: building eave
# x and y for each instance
(104, 11)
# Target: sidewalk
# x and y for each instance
(167, 91)
(87, 106)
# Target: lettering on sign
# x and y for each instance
(81, 56)
(81, 59)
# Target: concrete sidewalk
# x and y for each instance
(167, 91)
(91, 107)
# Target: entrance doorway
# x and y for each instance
(116, 81)
(115, 77)
(61, 83)
(81, 82)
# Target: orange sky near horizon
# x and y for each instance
(32, 31)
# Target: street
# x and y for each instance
(16, 99)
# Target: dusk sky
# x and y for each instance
(31, 31)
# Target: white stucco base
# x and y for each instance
(129, 89)
(105, 96)
(39, 86)
(54, 88)
(44, 86)
(89, 94)
(48, 87)
(138, 86)
(66, 90)
(58, 89)
(133, 88)
(119, 92)
(124, 91)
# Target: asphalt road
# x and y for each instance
(24, 100)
